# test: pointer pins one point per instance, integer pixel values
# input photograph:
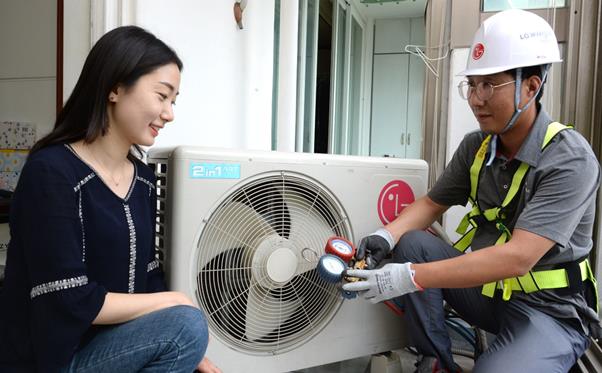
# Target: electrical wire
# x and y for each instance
(417, 50)
(462, 331)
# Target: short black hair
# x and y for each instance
(120, 57)
(529, 71)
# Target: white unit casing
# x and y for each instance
(241, 232)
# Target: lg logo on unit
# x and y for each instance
(393, 198)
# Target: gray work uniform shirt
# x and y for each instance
(557, 200)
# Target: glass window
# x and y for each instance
(497, 5)
(355, 87)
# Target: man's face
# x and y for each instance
(492, 101)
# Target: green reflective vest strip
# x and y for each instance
(534, 280)
(475, 169)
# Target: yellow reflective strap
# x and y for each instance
(501, 239)
(507, 290)
(586, 270)
(489, 289)
(475, 169)
(466, 220)
(506, 235)
(589, 275)
(538, 280)
(464, 242)
(491, 214)
(550, 279)
(553, 129)
(463, 226)
(517, 180)
(525, 283)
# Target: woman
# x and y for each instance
(83, 290)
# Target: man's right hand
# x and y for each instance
(375, 247)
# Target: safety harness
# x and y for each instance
(569, 275)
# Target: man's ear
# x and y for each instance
(533, 84)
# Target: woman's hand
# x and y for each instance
(206, 366)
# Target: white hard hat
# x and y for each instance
(510, 39)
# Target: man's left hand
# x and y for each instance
(391, 281)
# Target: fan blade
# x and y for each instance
(265, 313)
(235, 226)
(270, 205)
(309, 231)
(222, 279)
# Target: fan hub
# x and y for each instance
(282, 265)
(274, 261)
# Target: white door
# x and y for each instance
(346, 88)
(397, 89)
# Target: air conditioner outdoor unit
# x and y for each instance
(241, 233)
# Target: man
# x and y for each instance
(532, 186)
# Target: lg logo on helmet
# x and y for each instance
(478, 51)
(537, 34)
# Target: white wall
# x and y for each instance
(287, 76)
(27, 70)
(28, 62)
(226, 91)
(460, 122)
(76, 41)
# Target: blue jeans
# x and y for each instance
(169, 340)
(527, 340)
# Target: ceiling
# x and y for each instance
(392, 9)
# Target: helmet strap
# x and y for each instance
(517, 111)
(519, 80)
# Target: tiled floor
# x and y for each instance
(400, 361)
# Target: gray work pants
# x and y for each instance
(527, 340)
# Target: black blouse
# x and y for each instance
(72, 241)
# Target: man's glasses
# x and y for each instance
(484, 90)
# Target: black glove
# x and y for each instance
(375, 247)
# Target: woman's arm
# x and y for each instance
(118, 307)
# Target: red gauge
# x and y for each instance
(340, 247)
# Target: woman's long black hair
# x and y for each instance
(120, 57)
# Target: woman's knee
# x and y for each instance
(190, 326)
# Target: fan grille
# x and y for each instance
(258, 252)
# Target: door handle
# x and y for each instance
(402, 140)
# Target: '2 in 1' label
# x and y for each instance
(203, 170)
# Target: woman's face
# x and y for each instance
(139, 112)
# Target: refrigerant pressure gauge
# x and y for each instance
(331, 268)
(340, 247)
